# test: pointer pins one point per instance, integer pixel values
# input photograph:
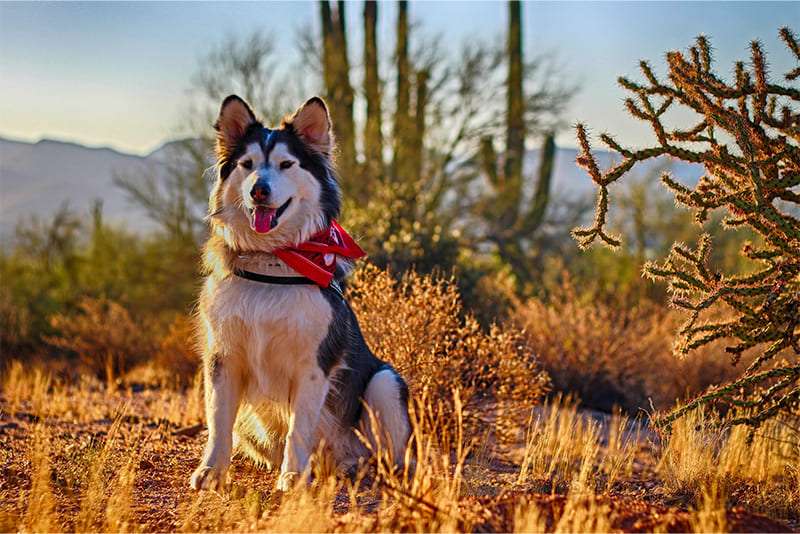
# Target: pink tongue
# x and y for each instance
(262, 219)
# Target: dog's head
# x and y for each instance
(276, 187)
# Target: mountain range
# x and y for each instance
(38, 178)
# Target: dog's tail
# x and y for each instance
(387, 398)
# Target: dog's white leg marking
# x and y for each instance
(384, 398)
(222, 396)
(301, 440)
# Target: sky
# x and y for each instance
(117, 74)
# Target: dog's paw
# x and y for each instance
(208, 477)
(287, 481)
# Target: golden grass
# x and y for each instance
(31, 385)
(562, 446)
(704, 461)
(39, 502)
(81, 485)
(88, 455)
(710, 514)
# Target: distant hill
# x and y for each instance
(37, 178)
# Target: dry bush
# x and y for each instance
(419, 326)
(177, 351)
(104, 336)
(610, 353)
(14, 322)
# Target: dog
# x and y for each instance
(284, 361)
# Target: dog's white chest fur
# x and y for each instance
(272, 332)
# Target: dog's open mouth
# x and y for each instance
(263, 218)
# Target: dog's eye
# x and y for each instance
(246, 164)
(286, 164)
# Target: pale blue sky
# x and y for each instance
(116, 74)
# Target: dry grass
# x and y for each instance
(126, 469)
(39, 503)
(77, 454)
(563, 446)
(703, 461)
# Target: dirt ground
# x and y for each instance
(162, 500)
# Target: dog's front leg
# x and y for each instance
(223, 391)
(306, 405)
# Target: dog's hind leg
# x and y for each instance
(387, 398)
(223, 391)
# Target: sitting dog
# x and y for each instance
(285, 363)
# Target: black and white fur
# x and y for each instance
(285, 366)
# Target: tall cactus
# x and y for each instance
(373, 137)
(402, 166)
(420, 107)
(515, 104)
(336, 76)
(512, 221)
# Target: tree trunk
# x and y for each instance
(373, 137)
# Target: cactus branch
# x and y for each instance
(752, 179)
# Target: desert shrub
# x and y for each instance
(610, 352)
(14, 323)
(418, 324)
(49, 267)
(746, 138)
(177, 351)
(104, 336)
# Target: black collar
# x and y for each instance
(285, 280)
(267, 279)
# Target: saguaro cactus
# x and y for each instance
(747, 139)
(513, 221)
(373, 137)
(402, 166)
(336, 75)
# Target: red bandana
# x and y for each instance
(316, 258)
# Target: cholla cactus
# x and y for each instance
(747, 139)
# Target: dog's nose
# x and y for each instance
(260, 192)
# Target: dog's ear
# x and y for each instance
(235, 116)
(312, 123)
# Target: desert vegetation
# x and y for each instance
(552, 389)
